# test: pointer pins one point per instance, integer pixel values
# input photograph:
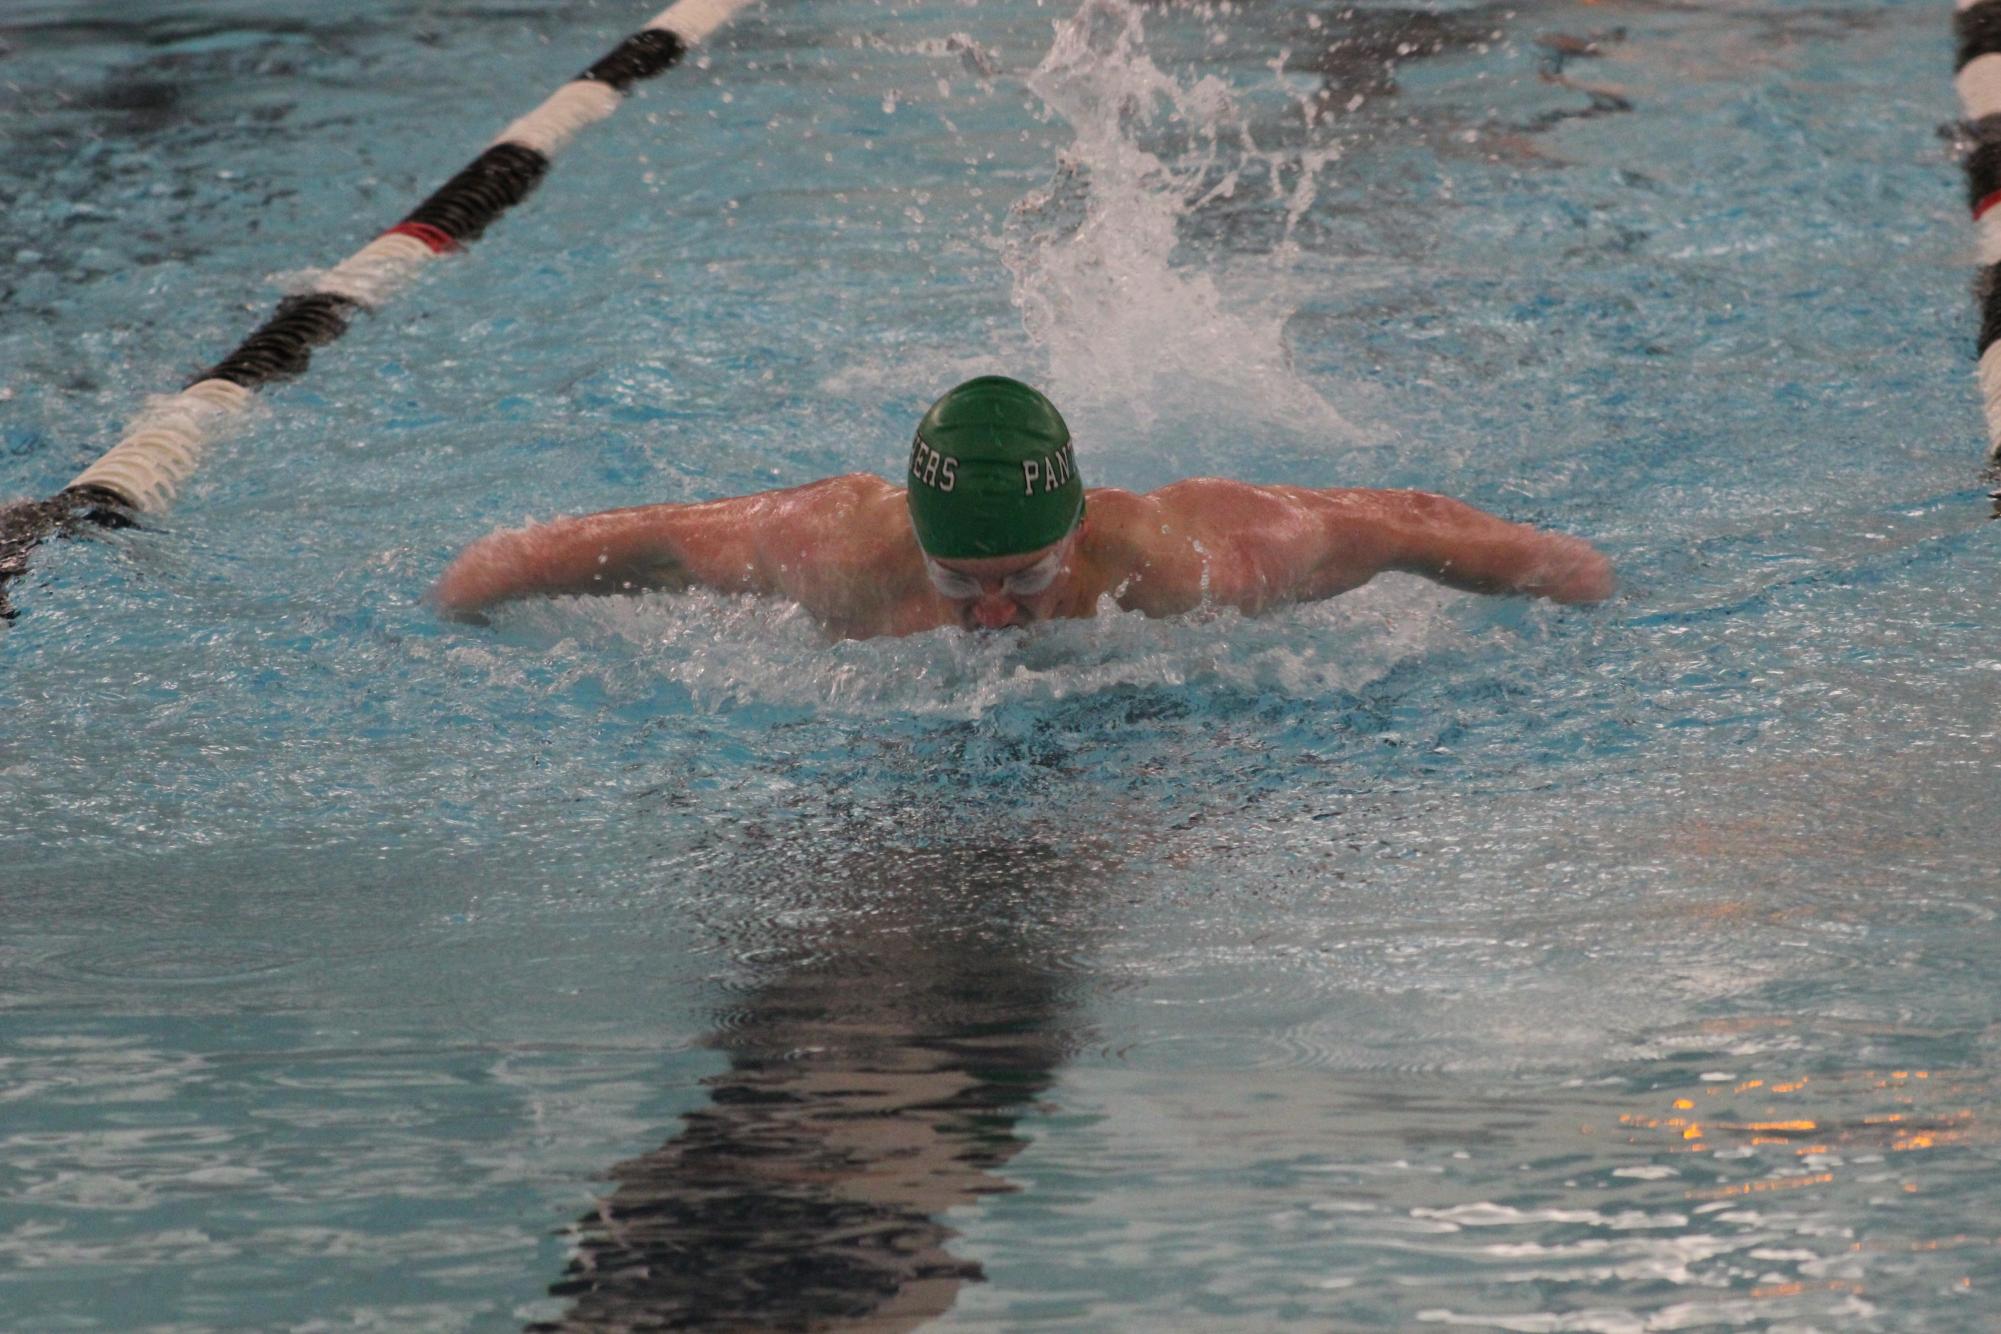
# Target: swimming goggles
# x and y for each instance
(1022, 583)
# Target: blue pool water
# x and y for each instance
(1406, 960)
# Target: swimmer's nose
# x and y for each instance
(995, 612)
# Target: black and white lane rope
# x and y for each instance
(1977, 75)
(162, 446)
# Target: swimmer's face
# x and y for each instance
(994, 592)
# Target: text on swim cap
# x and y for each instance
(930, 467)
(1052, 470)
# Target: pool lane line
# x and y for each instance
(1976, 25)
(164, 443)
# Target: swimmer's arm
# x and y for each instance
(617, 551)
(1225, 543)
(1461, 547)
(745, 544)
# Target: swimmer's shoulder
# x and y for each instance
(846, 494)
(1163, 531)
(833, 512)
(864, 527)
(831, 525)
(1224, 508)
(1127, 521)
(1119, 526)
(1113, 511)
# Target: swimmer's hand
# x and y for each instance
(489, 571)
(1570, 570)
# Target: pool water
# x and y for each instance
(1410, 959)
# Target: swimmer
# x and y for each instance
(995, 528)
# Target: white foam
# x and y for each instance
(731, 651)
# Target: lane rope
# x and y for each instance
(164, 444)
(1976, 25)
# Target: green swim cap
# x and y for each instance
(991, 472)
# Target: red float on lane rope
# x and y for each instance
(440, 243)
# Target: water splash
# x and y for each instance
(725, 652)
(1133, 337)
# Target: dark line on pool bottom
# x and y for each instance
(874, 1082)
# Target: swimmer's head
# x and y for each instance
(991, 473)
